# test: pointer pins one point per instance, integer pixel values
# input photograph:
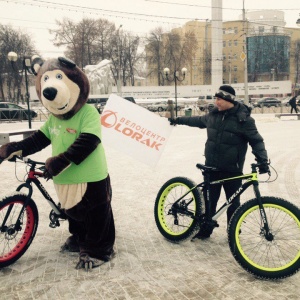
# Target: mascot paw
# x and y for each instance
(55, 165)
(9, 150)
(88, 263)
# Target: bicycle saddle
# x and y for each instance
(206, 168)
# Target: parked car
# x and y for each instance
(162, 106)
(131, 99)
(11, 111)
(100, 105)
(268, 102)
(205, 105)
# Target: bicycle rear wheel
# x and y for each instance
(178, 222)
(15, 240)
(273, 258)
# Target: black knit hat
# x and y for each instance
(227, 93)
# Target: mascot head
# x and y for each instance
(61, 86)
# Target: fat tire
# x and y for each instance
(172, 190)
(17, 243)
(275, 259)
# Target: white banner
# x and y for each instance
(134, 130)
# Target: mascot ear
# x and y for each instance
(36, 63)
(67, 62)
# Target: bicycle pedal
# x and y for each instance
(54, 224)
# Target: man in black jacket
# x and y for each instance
(229, 130)
(293, 104)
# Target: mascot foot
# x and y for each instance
(88, 263)
(71, 245)
(108, 257)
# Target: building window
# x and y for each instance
(224, 57)
(235, 80)
(235, 43)
(224, 69)
(235, 68)
(235, 30)
(275, 29)
(261, 29)
(229, 43)
(224, 43)
(235, 56)
(224, 30)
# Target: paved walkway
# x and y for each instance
(146, 265)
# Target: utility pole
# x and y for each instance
(246, 98)
(216, 45)
(206, 58)
(119, 84)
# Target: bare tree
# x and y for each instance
(21, 43)
(130, 58)
(91, 41)
(155, 54)
(296, 61)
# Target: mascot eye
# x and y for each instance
(46, 78)
(59, 76)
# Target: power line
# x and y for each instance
(227, 8)
(92, 10)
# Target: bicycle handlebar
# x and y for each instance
(30, 161)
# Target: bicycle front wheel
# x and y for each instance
(178, 221)
(16, 232)
(270, 257)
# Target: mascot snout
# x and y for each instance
(50, 93)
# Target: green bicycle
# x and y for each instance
(263, 233)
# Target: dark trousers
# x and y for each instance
(229, 187)
(91, 220)
(294, 107)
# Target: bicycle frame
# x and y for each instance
(32, 177)
(251, 178)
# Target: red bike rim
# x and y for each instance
(26, 235)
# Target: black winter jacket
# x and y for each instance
(228, 135)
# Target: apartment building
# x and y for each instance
(272, 50)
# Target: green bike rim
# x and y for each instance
(161, 209)
(246, 257)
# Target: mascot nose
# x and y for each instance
(50, 93)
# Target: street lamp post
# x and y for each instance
(175, 79)
(119, 86)
(26, 67)
(273, 74)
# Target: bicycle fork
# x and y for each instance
(267, 233)
(18, 223)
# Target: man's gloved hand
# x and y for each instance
(264, 168)
(9, 150)
(55, 165)
(172, 121)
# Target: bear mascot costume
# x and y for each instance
(78, 163)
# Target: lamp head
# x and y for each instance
(183, 71)
(12, 56)
(166, 72)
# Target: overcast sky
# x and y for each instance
(138, 16)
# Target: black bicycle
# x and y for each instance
(19, 215)
(263, 233)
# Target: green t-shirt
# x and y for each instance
(63, 133)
